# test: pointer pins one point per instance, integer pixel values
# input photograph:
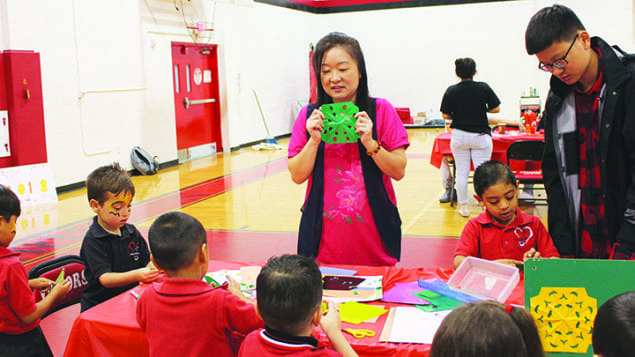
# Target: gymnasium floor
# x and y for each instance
(251, 210)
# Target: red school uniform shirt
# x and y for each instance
(495, 241)
(16, 297)
(187, 317)
(270, 343)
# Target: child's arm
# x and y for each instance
(59, 291)
(332, 326)
(113, 280)
(533, 253)
(234, 288)
(458, 259)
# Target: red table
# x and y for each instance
(111, 329)
(500, 143)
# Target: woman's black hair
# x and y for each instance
(352, 47)
(465, 68)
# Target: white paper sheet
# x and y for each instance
(412, 325)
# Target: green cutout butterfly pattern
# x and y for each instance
(339, 123)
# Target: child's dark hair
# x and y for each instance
(465, 68)
(9, 203)
(614, 326)
(556, 23)
(490, 173)
(352, 47)
(109, 178)
(289, 292)
(487, 328)
(175, 238)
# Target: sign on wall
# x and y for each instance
(34, 184)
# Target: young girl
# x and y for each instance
(466, 104)
(503, 232)
(487, 328)
(349, 215)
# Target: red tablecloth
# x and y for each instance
(111, 329)
(500, 143)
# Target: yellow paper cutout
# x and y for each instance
(564, 317)
(356, 313)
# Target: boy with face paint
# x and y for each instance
(117, 257)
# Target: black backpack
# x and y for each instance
(144, 162)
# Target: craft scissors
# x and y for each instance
(359, 333)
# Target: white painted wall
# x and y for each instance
(87, 46)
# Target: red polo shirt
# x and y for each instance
(269, 343)
(505, 242)
(16, 297)
(187, 317)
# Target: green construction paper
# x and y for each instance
(355, 312)
(601, 279)
(60, 278)
(437, 302)
(339, 123)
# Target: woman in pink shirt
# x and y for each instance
(349, 215)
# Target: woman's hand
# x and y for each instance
(364, 127)
(315, 125)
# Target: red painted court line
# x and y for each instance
(41, 247)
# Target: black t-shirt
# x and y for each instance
(468, 103)
(104, 252)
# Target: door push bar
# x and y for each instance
(187, 102)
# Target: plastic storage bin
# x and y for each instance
(485, 279)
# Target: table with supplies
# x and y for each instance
(500, 143)
(111, 329)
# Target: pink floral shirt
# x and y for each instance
(349, 234)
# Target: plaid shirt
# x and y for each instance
(595, 233)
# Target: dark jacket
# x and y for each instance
(616, 149)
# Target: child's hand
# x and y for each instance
(331, 322)
(61, 289)
(234, 287)
(531, 253)
(147, 275)
(40, 283)
(510, 262)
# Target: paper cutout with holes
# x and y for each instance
(564, 317)
(339, 123)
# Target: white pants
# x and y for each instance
(468, 148)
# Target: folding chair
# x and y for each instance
(530, 153)
(73, 267)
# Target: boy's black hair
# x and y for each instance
(551, 24)
(352, 47)
(175, 238)
(614, 326)
(490, 173)
(109, 178)
(465, 68)
(9, 203)
(485, 328)
(289, 292)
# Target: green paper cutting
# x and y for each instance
(339, 123)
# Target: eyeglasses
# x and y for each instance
(559, 63)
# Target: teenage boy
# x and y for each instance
(116, 255)
(289, 300)
(589, 159)
(184, 316)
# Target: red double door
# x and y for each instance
(197, 105)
